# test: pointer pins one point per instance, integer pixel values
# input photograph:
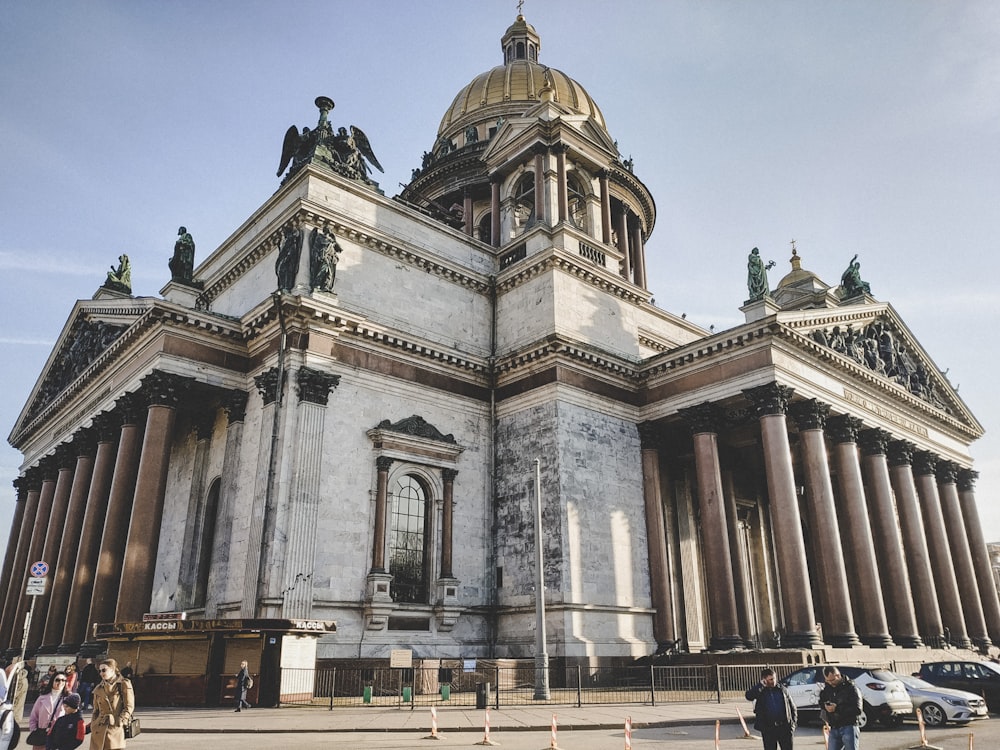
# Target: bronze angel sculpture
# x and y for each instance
(345, 152)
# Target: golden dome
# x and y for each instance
(512, 88)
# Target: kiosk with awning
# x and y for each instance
(180, 662)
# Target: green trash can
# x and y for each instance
(367, 695)
(446, 692)
(407, 694)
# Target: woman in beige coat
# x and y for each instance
(114, 703)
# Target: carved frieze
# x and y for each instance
(416, 426)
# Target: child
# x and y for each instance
(69, 730)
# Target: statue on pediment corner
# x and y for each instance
(182, 262)
(850, 280)
(120, 279)
(757, 286)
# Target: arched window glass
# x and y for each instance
(577, 203)
(407, 541)
(484, 229)
(524, 203)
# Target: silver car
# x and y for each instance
(940, 705)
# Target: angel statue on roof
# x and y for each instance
(347, 151)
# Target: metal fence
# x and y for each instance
(510, 686)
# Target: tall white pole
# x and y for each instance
(541, 656)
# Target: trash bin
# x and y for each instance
(483, 695)
(446, 692)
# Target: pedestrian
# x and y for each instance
(114, 703)
(88, 678)
(45, 680)
(48, 707)
(243, 683)
(17, 689)
(841, 706)
(71, 678)
(774, 711)
(68, 731)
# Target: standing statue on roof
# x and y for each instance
(850, 281)
(346, 152)
(182, 262)
(757, 276)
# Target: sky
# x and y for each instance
(857, 126)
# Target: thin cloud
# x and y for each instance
(5, 341)
(38, 263)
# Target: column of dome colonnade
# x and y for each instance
(961, 554)
(821, 512)
(856, 533)
(896, 586)
(664, 630)
(235, 404)
(84, 448)
(27, 487)
(107, 429)
(942, 566)
(704, 422)
(49, 467)
(162, 391)
(980, 555)
(770, 404)
(918, 560)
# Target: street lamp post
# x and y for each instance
(541, 656)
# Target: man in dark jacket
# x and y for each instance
(775, 713)
(840, 707)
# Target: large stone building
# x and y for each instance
(336, 416)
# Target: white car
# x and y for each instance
(940, 705)
(885, 698)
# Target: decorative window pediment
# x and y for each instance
(415, 439)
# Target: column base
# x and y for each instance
(845, 640)
(92, 649)
(881, 640)
(726, 643)
(808, 639)
(962, 641)
(909, 641)
(68, 648)
(981, 642)
(48, 649)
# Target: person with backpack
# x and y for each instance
(69, 730)
(243, 683)
(10, 730)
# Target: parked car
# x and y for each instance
(939, 705)
(885, 699)
(979, 677)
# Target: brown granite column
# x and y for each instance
(924, 464)
(856, 533)
(382, 465)
(918, 562)
(961, 555)
(447, 512)
(704, 421)
(50, 473)
(540, 150)
(638, 252)
(770, 403)
(107, 428)
(84, 447)
(562, 194)
(656, 540)
(24, 521)
(109, 560)
(980, 555)
(495, 180)
(744, 615)
(621, 229)
(605, 207)
(821, 514)
(21, 487)
(467, 211)
(900, 610)
(163, 391)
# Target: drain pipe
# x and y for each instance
(493, 466)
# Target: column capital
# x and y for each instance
(924, 462)
(382, 463)
(768, 400)
(706, 417)
(128, 408)
(21, 487)
(559, 148)
(496, 178)
(203, 421)
(874, 441)
(165, 388)
(449, 475)
(267, 385)
(539, 149)
(901, 452)
(85, 442)
(810, 414)
(65, 456)
(49, 468)
(235, 404)
(650, 436)
(33, 478)
(967, 479)
(844, 428)
(315, 385)
(947, 472)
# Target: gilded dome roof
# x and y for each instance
(516, 85)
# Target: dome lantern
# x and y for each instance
(520, 42)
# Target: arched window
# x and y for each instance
(409, 563)
(484, 229)
(524, 203)
(577, 200)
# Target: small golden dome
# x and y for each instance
(798, 275)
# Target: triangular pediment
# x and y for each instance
(90, 330)
(874, 341)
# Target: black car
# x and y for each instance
(981, 678)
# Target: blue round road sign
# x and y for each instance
(40, 569)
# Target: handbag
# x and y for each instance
(132, 729)
(38, 737)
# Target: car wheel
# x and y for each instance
(863, 718)
(934, 715)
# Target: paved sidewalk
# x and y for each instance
(418, 720)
